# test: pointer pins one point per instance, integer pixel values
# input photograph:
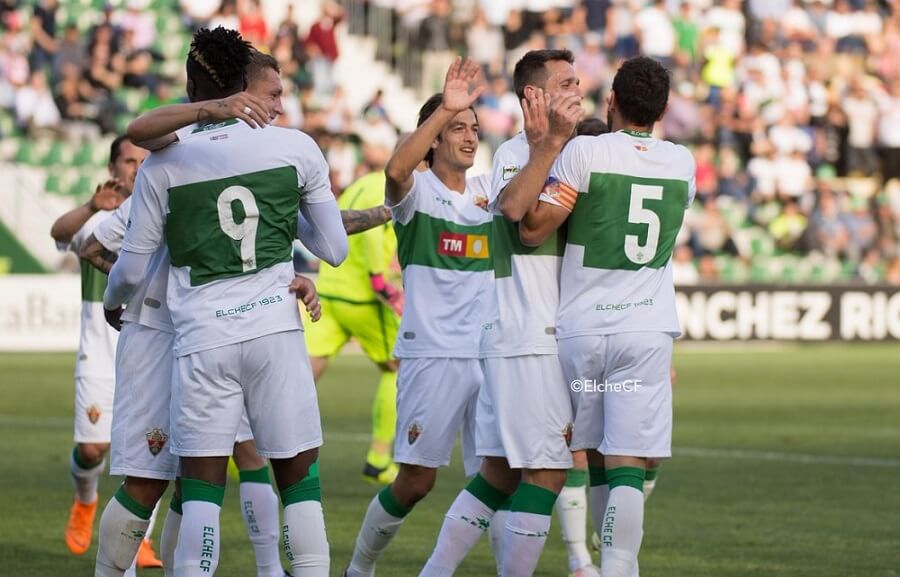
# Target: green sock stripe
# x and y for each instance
(598, 476)
(651, 474)
(306, 489)
(313, 470)
(81, 464)
(486, 493)
(197, 490)
(530, 498)
(576, 478)
(133, 506)
(626, 477)
(505, 505)
(175, 504)
(390, 504)
(255, 476)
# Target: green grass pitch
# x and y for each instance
(786, 464)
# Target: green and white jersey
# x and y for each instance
(97, 341)
(225, 199)
(147, 306)
(443, 248)
(522, 307)
(633, 191)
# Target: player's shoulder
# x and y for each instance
(679, 156)
(514, 148)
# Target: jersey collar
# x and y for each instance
(636, 133)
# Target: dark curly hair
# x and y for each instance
(425, 113)
(217, 62)
(591, 127)
(531, 68)
(642, 90)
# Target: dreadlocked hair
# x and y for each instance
(219, 56)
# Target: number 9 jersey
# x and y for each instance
(226, 199)
(633, 191)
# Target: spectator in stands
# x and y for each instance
(889, 131)
(36, 113)
(322, 47)
(226, 16)
(43, 34)
(831, 234)
(789, 227)
(484, 42)
(70, 51)
(655, 33)
(684, 273)
(141, 22)
(252, 25)
(862, 118)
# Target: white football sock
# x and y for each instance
(121, 533)
(85, 479)
(259, 506)
(523, 542)
(599, 497)
(197, 553)
(305, 541)
(622, 531)
(468, 518)
(496, 532)
(378, 528)
(169, 538)
(571, 507)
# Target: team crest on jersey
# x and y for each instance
(641, 148)
(567, 434)
(481, 201)
(156, 440)
(414, 432)
(93, 414)
(510, 171)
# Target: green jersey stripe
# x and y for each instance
(93, 283)
(438, 243)
(505, 243)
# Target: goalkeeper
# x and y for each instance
(360, 300)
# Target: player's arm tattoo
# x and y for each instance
(97, 255)
(361, 220)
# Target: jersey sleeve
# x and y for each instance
(111, 231)
(506, 165)
(692, 178)
(573, 165)
(404, 210)
(146, 220)
(313, 174)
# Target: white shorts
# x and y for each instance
(524, 413)
(244, 432)
(140, 425)
(436, 398)
(269, 375)
(623, 392)
(93, 408)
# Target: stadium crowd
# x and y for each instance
(788, 105)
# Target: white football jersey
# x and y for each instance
(225, 199)
(97, 341)
(147, 306)
(443, 249)
(617, 269)
(522, 307)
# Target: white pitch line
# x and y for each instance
(701, 452)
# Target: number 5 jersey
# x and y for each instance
(633, 191)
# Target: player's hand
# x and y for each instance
(536, 109)
(236, 106)
(565, 112)
(114, 317)
(387, 293)
(305, 289)
(108, 195)
(460, 77)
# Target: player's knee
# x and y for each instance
(147, 492)
(92, 453)
(550, 479)
(413, 484)
(246, 458)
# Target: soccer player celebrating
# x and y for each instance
(442, 226)
(225, 200)
(617, 316)
(94, 369)
(524, 411)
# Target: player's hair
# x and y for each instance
(642, 90)
(217, 62)
(115, 149)
(425, 113)
(591, 127)
(531, 68)
(259, 63)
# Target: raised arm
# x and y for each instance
(155, 129)
(540, 222)
(457, 97)
(320, 229)
(548, 126)
(108, 196)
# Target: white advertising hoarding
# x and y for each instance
(40, 312)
